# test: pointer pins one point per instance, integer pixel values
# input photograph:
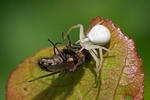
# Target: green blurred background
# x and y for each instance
(25, 26)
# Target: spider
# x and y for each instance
(96, 38)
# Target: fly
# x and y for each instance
(67, 59)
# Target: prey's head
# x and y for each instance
(44, 63)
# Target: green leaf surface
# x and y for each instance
(121, 75)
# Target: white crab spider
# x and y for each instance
(98, 36)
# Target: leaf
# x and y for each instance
(121, 75)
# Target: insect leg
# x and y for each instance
(61, 54)
(76, 47)
(43, 76)
(79, 62)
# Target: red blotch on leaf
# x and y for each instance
(121, 74)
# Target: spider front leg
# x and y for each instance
(92, 49)
(99, 61)
(74, 27)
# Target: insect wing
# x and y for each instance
(61, 67)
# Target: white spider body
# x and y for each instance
(98, 36)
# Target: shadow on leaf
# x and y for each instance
(61, 87)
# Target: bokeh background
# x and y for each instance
(26, 25)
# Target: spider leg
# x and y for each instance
(101, 58)
(99, 62)
(74, 27)
(95, 58)
(99, 67)
(95, 52)
(77, 41)
(93, 47)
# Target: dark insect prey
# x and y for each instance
(68, 59)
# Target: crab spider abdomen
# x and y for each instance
(99, 34)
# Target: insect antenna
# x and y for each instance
(70, 47)
(70, 42)
(64, 40)
(43, 76)
(61, 54)
(55, 47)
